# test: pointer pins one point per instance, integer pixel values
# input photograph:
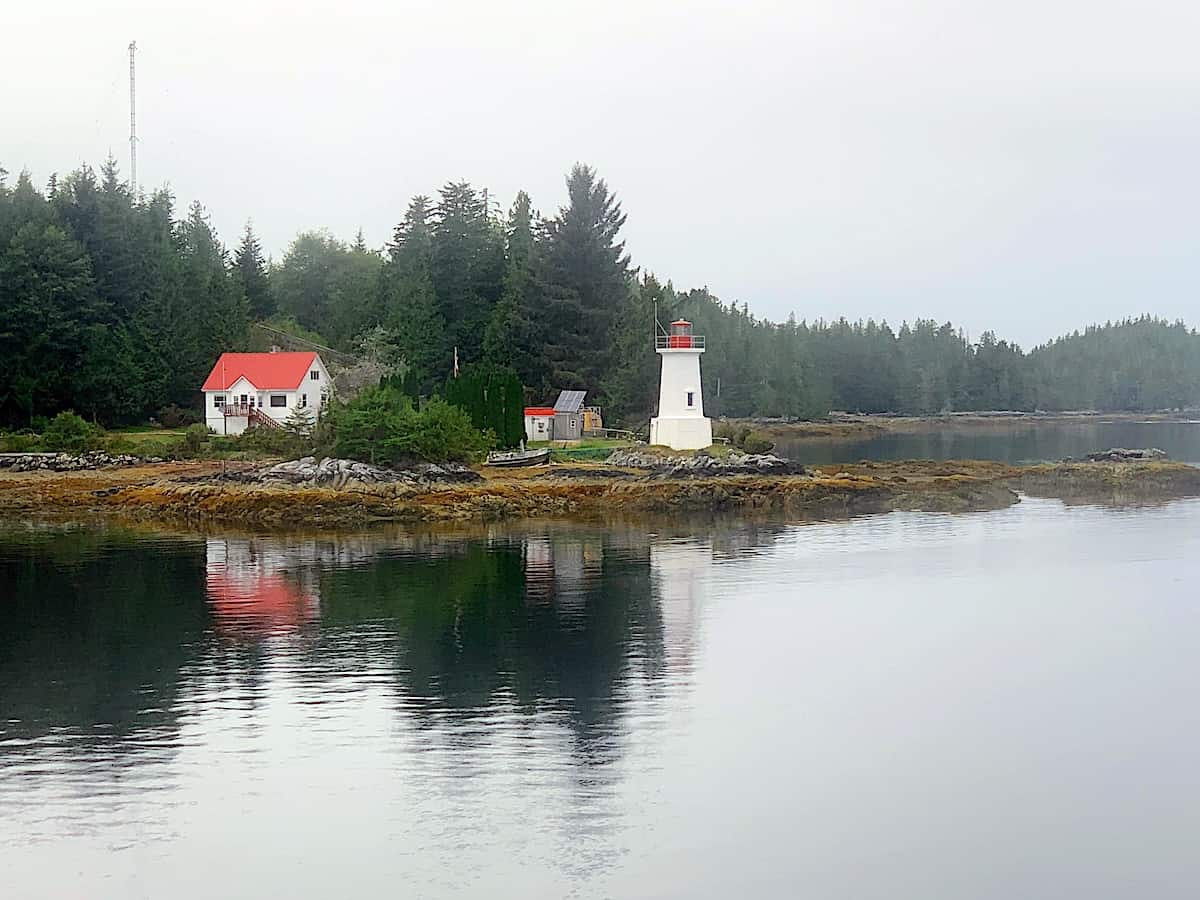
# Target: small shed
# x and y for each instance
(539, 423)
(593, 422)
(568, 416)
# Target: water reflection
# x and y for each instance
(555, 712)
(114, 640)
(98, 632)
(256, 588)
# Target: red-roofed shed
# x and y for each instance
(539, 423)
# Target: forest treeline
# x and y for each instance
(115, 306)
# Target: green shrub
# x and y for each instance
(757, 442)
(69, 433)
(382, 426)
(727, 431)
(744, 438)
(194, 438)
(271, 441)
(19, 443)
(173, 416)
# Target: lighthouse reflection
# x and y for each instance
(564, 616)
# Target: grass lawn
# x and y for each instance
(145, 430)
(586, 449)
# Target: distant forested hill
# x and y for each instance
(115, 306)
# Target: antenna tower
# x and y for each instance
(133, 179)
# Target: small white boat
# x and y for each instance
(520, 457)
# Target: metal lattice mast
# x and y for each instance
(133, 179)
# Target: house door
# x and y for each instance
(245, 400)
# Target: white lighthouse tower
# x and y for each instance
(680, 424)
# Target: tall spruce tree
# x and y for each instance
(356, 295)
(467, 266)
(48, 303)
(586, 279)
(511, 338)
(408, 304)
(250, 272)
(211, 309)
(306, 282)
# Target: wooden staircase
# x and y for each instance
(254, 416)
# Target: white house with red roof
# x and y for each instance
(263, 389)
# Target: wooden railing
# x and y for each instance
(253, 414)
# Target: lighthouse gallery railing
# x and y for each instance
(679, 342)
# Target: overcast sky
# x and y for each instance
(1028, 167)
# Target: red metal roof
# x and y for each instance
(266, 371)
(539, 410)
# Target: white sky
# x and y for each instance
(1024, 166)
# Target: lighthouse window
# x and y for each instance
(691, 399)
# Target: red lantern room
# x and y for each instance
(681, 335)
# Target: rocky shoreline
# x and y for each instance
(704, 465)
(338, 473)
(312, 493)
(68, 462)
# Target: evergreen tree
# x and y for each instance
(493, 398)
(48, 303)
(211, 310)
(306, 282)
(356, 295)
(511, 338)
(467, 266)
(631, 388)
(113, 308)
(586, 281)
(408, 304)
(250, 271)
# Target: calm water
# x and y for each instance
(907, 706)
(1007, 443)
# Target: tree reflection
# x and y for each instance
(109, 632)
(98, 626)
(550, 619)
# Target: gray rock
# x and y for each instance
(1120, 454)
(64, 462)
(338, 473)
(703, 465)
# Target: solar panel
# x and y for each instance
(569, 401)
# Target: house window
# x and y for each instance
(691, 399)
(304, 401)
(219, 401)
(278, 400)
(314, 375)
(572, 424)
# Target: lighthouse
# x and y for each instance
(680, 424)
